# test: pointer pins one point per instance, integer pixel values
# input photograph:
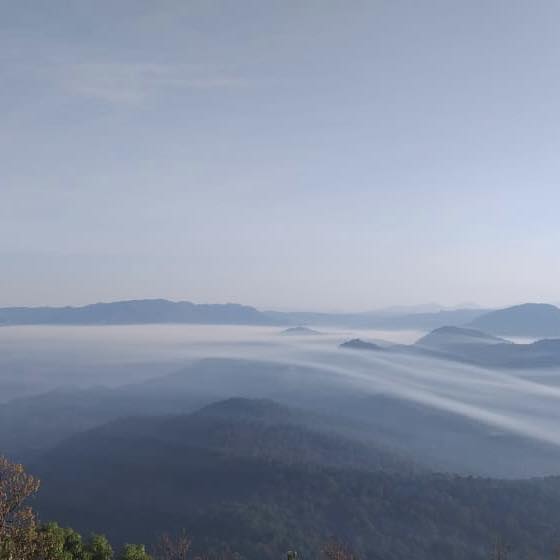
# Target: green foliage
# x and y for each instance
(99, 548)
(134, 552)
(58, 543)
(21, 538)
(52, 542)
(17, 521)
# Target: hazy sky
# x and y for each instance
(288, 154)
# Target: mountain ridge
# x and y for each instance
(524, 320)
(141, 311)
(263, 489)
(473, 346)
(163, 311)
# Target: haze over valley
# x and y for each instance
(392, 402)
(497, 390)
(279, 280)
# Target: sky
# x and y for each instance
(327, 155)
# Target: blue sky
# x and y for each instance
(313, 154)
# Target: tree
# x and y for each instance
(17, 521)
(500, 550)
(334, 550)
(134, 552)
(173, 547)
(99, 548)
(21, 538)
(58, 543)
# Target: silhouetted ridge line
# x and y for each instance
(136, 312)
(525, 320)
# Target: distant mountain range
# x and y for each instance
(472, 346)
(136, 312)
(527, 320)
(184, 312)
(421, 308)
(483, 349)
(379, 320)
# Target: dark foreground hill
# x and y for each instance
(240, 474)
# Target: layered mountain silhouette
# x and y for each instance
(251, 428)
(526, 320)
(399, 319)
(30, 426)
(473, 346)
(136, 312)
(255, 475)
(148, 311)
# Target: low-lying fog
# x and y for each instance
(37, 359)
(34, 359)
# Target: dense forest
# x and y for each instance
(258, 478)
(22, 537)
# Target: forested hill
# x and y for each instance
(248, 476)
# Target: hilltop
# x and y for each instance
(300, 331)
(525, 320)
(359, 344)
(250, 475)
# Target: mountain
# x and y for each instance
(248, 475)
(477, 347)
(153, 311)
(255, 428)
(422, 308)
(136, 312)
(474, 347)
(380, 319)
(408, 309)
(30, 426)
(300, 331)
(526, 320)
(359, 344)
(538, 354)
(448, 338)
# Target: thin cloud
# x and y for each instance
(134, 83)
